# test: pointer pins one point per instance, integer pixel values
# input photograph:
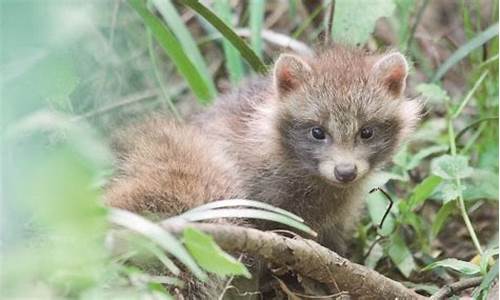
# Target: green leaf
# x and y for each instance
(377, 206)
(245, 51)
(157, 234)
(465, 50)
(374, 257)
(401, 255)
(354, 21)
(417, 158)
(451, 167)
(461, 266)
(174, 50)
(449, 191)
(246, 213)
(483, 184)
(433, 92)
(441, 217)
(210, 256)
(257, 8)
(233, 61)
(179, 29)
(485, 285)
(249, 203)
(487, 257)
(423, 191)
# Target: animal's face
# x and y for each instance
(341, 127)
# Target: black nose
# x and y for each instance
(345, 172)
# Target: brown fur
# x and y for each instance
(166, 168)
(263, 127)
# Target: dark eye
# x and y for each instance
(318, 133)
(366, 133)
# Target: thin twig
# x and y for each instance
(454, 288)
(131, 99)
(308, 259)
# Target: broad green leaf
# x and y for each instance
(157, 234)
(174, 50)
(483, 184)
(451, 167)
(246, 213)
(233, 61)
(442, 216)
(449, 191)
(465, 50)
(181, 32)
(423, 191)
(245, 51)
(354, 21)
(417, 158)
(249, 203)
(401, 255)
(461, 266)
(210, 256)
(433, 92)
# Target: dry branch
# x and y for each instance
(454, 288)
(305, 257)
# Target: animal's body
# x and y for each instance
(305, 138)
(308, 137)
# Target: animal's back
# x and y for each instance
(166, 168)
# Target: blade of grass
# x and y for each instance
(245, 213)
(310, 18)
(155, 233)
(165, 95)
(245, 51)
(234, 64)
(244, 202)
(256, 20)
(465, 50)
(173, 49)
(174, 21)
(469, 95)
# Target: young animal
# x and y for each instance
(308, 137)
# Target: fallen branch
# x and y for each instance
(305, 257)
(454, 288)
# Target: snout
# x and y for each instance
(345, 172)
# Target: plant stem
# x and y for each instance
(465, 216)
(156, 70)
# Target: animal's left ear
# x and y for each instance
(391, 71)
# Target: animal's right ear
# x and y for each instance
(289, 72)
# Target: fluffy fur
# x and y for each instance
(265, 128)
(166, 168)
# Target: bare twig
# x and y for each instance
(305, 257)
(454, 288)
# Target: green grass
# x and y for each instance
(73, 73)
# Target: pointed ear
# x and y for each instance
(391, 71)
(289, 72)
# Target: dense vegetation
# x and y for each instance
(72, 72)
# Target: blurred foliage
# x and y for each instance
(71, 72)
